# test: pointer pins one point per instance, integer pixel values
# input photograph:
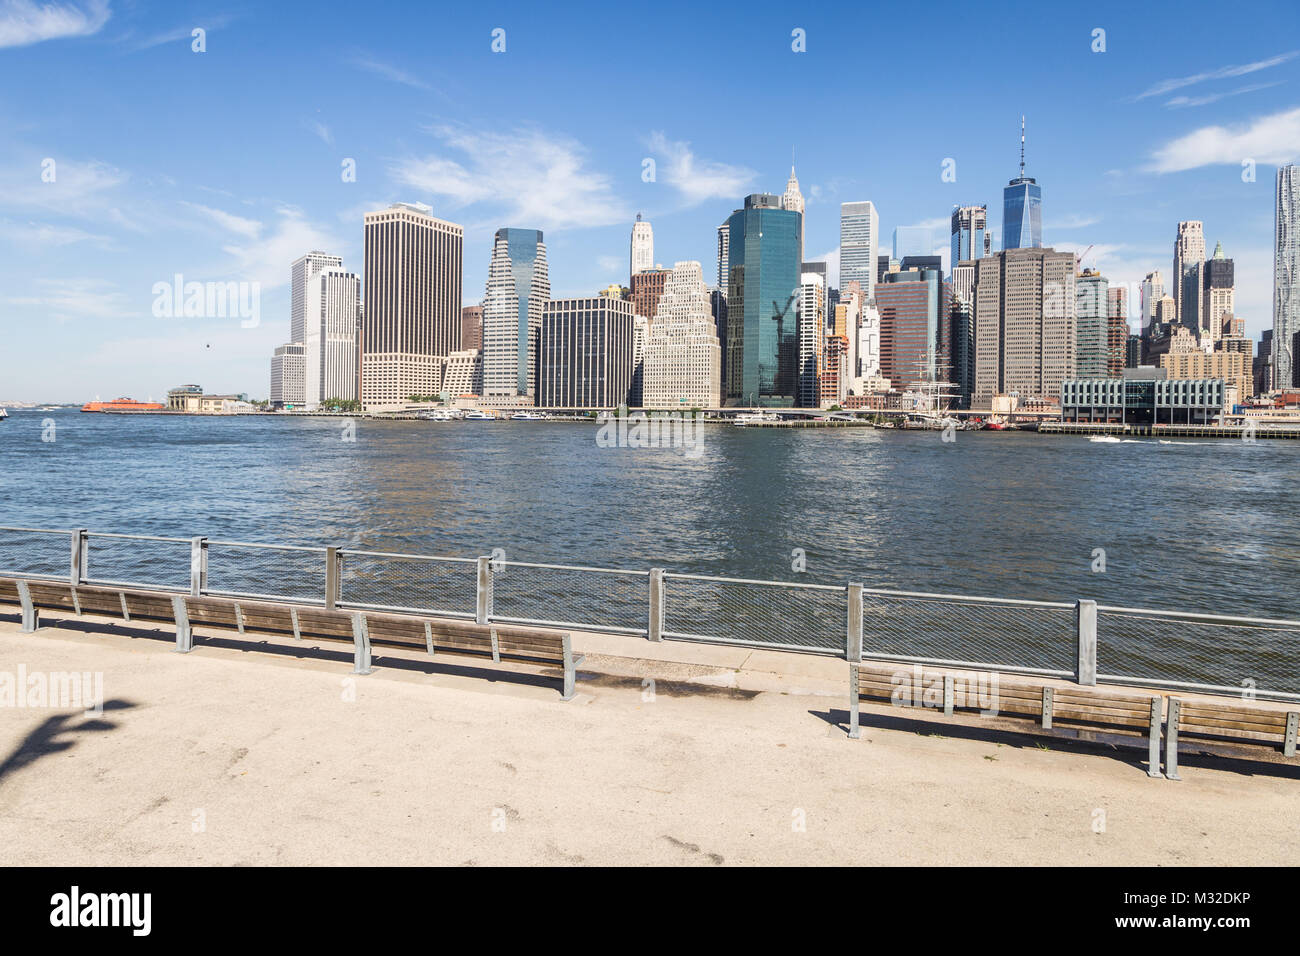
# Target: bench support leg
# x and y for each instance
(1049, 699)
(1292, 726)
(947, 695)
(31, 616)
(1153, 757)
(570, 674)
(361, 644)
(1171, 738)
(184, 633)
(854, 729)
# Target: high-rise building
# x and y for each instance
(333, 299)
(1092, 318)
(909, 302)
(859, 242)
(586, 353)
(1024, 324)
(471, 327)
(518, 288)
(647, 287)
(1263, 364)
(1189, 255)
(718, 305)
(812, 333)
(1022, 209)
(1186, 359)
(300, 272)
(464, 377)
(1118, 334)
(762, 326)
(1218, 303)
(913, 242)
(640, 336)
(1133, 354)
(683, 361)
(643, 246)
(792, 199)
(411, 318)
(724, 243)
(961, 336)
(1286, 277)
(1153, 290)
(287, 376)
(819, 269)
(969, 224)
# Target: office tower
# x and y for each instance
(724, 242)
(920, 262)
(471, 327)
(643, 246)
(812, 321)
(1133, 354)
(586, 353)
(961, 336)
(518, 287)
(332, 299)
(1286, 276)
(411, 317)
(762, 328)
(287, 376)
(300, 272)
(909, 303)
(640, 336)
(963, 282)
(834, 375)
(1153, 290)
(1024, 324)
(1022, 212)
(647, 287)
(859, 241)
(1218, 297)
(1263, 364)
(913, 241)
(792, 200)
(1117, 335)
(1189, 254)
(867, 377)
(464, 376)
(969, 224)
(1186, 359)
(683, 361)
(819, 269)
(1092, 317)
(718, 307)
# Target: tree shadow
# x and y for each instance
(57, 734)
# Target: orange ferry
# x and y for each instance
(124, 405)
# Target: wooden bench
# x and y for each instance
(495, 642)
(995, 694)
(1232, 721)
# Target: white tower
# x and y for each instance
(643, 246)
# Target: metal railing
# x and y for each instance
(1081, 640)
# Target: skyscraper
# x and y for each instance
(1022, 201)
(724, 242)
(792, 199)
(1189, 254)
(859, 241)
(1218, 303)
(1092, 316)
(303, 268)
(969, 223)
(909, 302)
(1286, 276)
(586, 353)
(647, 287)
(1117, 339)
(812, 333)
(287, 376)
(1153, 290)
(682, 367)
(518, 288)
(763, 285)
(411, 318)
(643, 246)
(471, 327)
(332, 300)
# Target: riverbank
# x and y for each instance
(220, 757)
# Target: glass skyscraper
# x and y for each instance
(762, 303)
(1022, 221)
(969, 223)
(1286, 276)
(518, 288)
(859, 241)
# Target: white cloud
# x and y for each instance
(1073, 221)
(181, 33)
(265, 258)
(1167, 86)
(531, 179)
(72, 299)
(249, 228)
(1179, 102)
(76, 185)
(45, 234)
(389, 72)
(1266, 139)
(23, 22)
(322, 131)
(697, 180)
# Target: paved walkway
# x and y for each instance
(226, 756)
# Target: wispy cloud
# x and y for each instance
(1225, 72)
(265, 255)
(390, 72)
(1266, 139)
(23, 22)
(532, 178)
(72, 299)
(697, 180)
(46, 235)
(1073, 221)
(249, 228)
(322, 131)
(182, 33)
(72, 187)
(1182, 102)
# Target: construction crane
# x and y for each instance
(1078, 258)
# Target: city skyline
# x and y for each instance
(124, 212)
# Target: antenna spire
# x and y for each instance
(1022, 146)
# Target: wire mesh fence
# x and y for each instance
(403, 582)
(1234, 655)
(137, 561)
(775, 614)
(30, 552)
(557, 595)
(1030, 636)
(274, 571)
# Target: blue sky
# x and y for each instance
(225, 165)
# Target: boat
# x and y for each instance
(996, 424)
(526, 417)
(479, 416)
(1108, 439)
(755, 418)
(3, 414)
(124, 405)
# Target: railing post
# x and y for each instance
(853, 640)
(483, 597)
(1086, 626)
(655, 625)
(198, 566)
(77, 570)
(331, 578)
